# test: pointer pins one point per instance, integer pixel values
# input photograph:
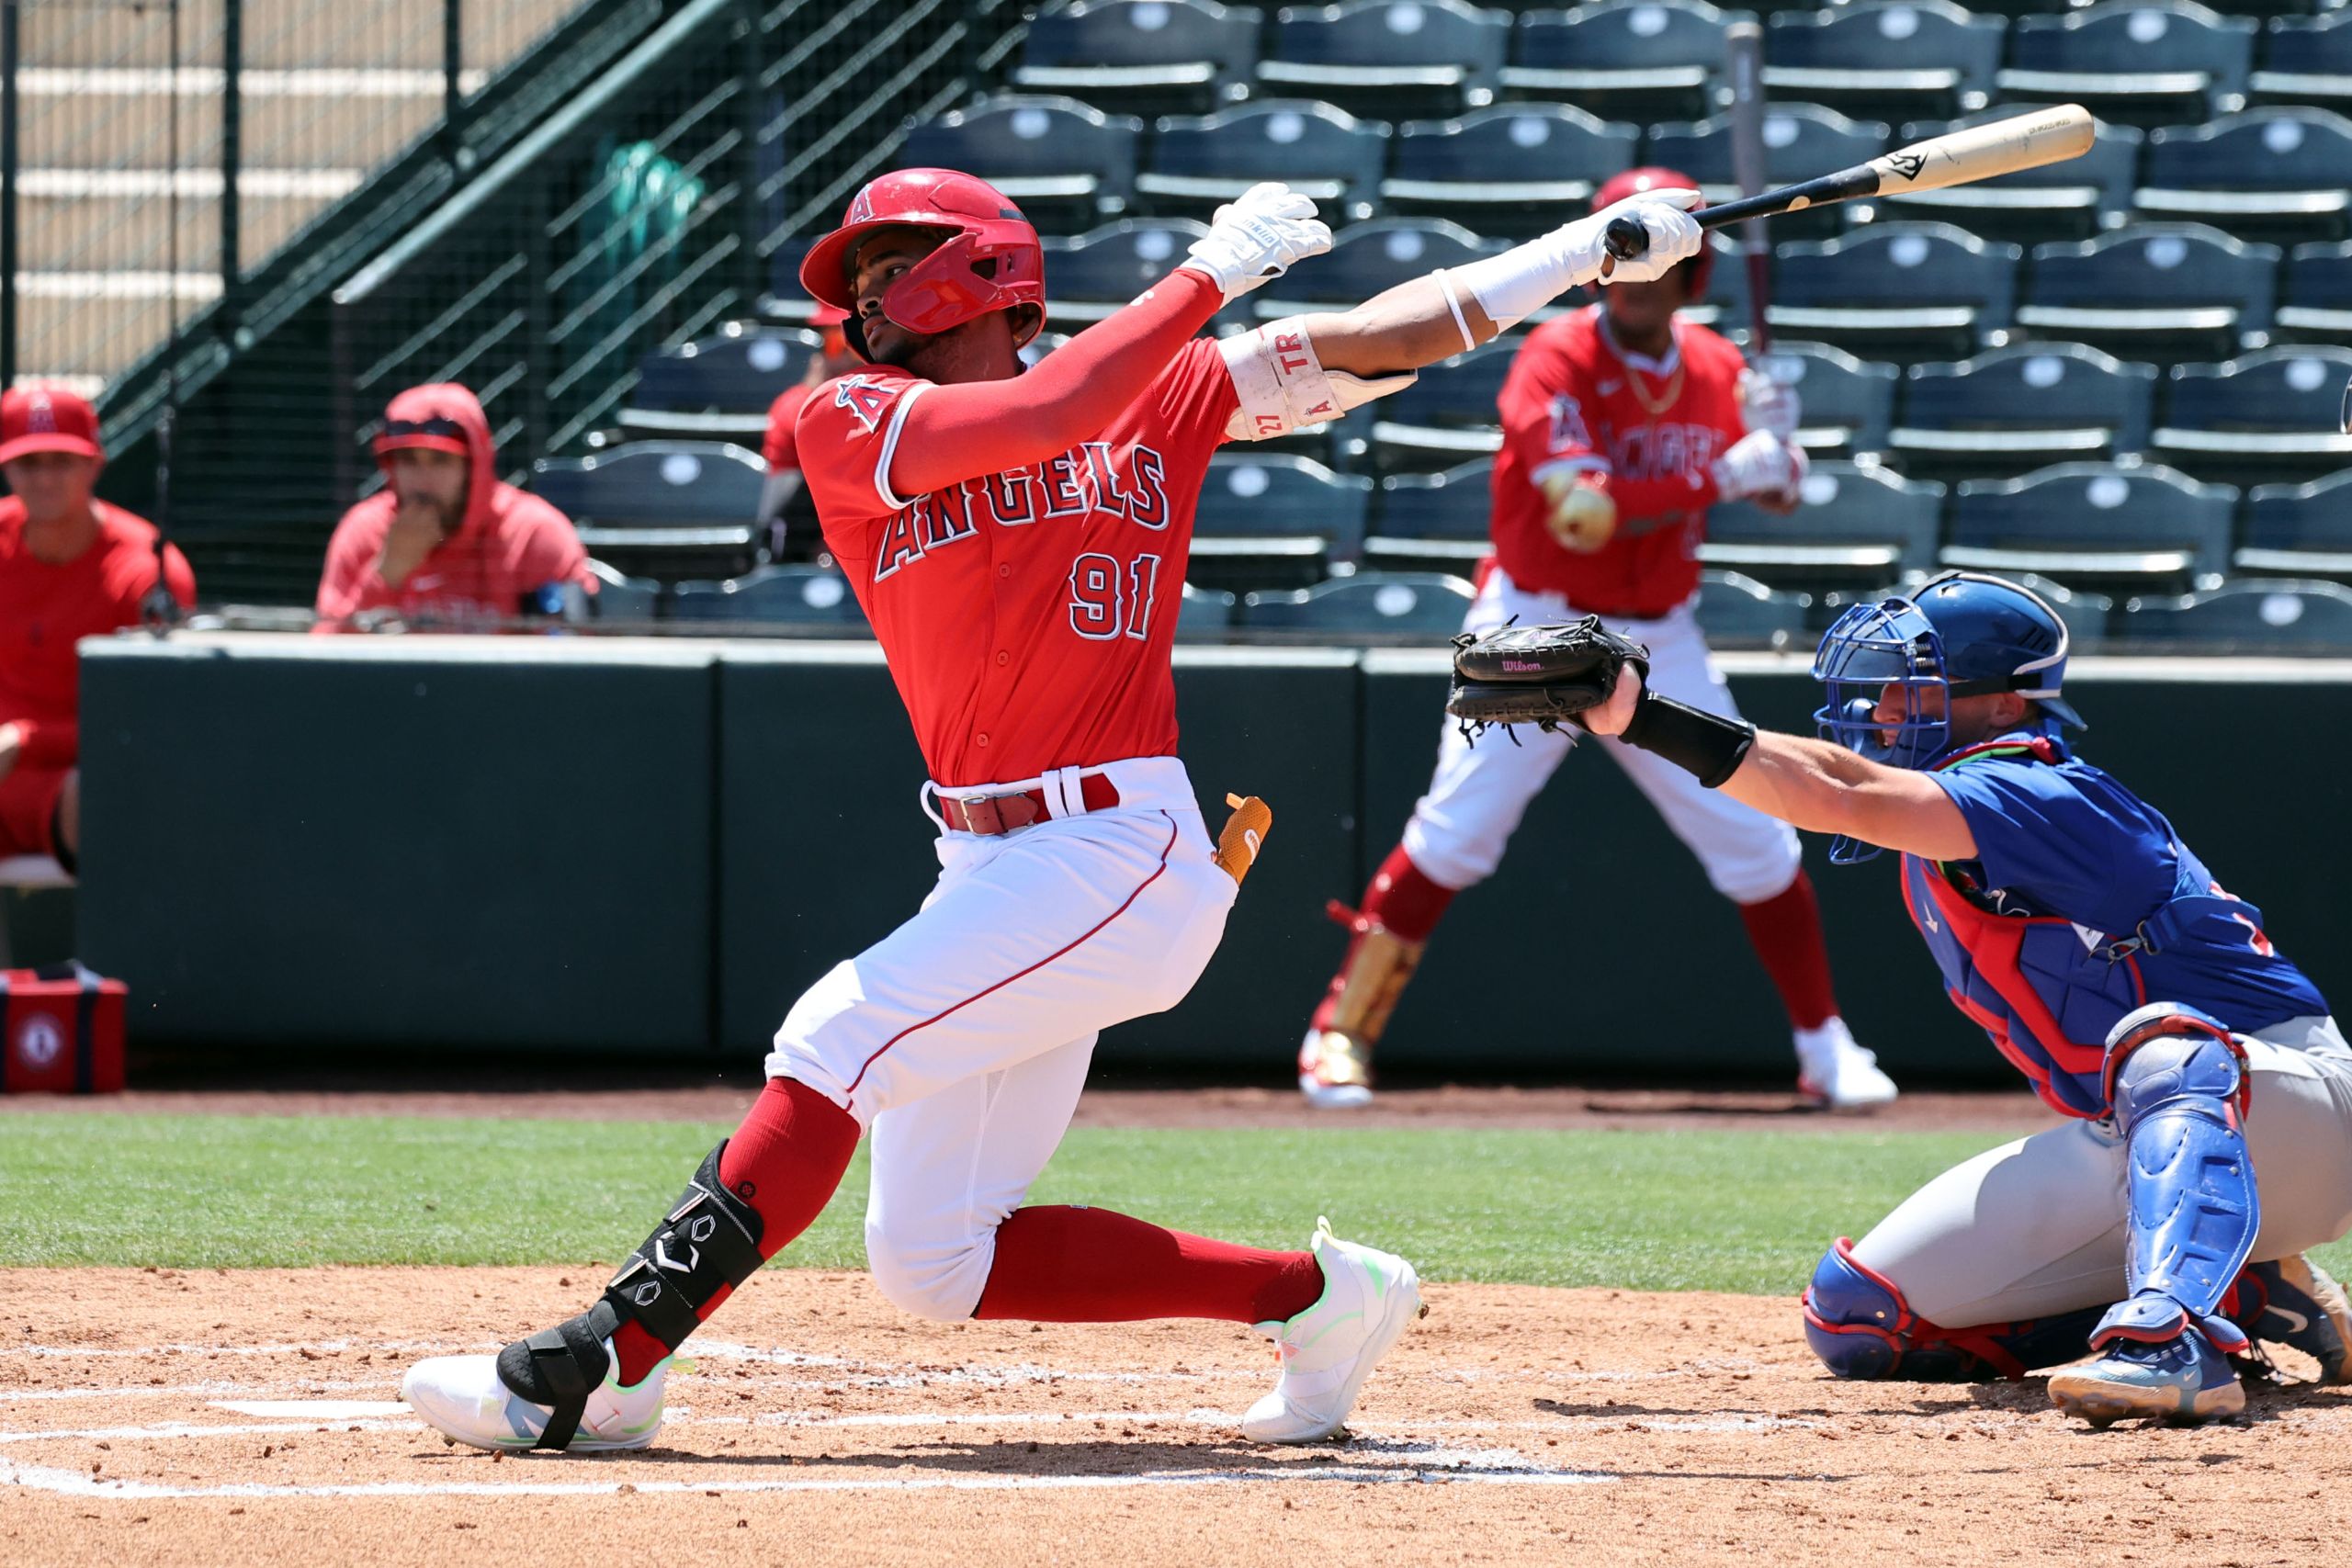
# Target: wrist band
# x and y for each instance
(1454, 305)
(1705, 745)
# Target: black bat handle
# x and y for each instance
(1626, 239)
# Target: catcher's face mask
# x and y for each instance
(1882, 668)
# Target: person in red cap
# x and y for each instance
(786, 519)
(446, 543)
(70, 566)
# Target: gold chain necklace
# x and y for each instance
(1658, 405)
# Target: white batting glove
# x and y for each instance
(1762, 465)
(1258, 236)
(1675, 236)
(1769, 404)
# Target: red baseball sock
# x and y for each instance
(1071, 1265)
(1786, 931)
(784, 1161)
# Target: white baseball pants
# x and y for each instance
(2037, 1226)
(1479, 793)
(962, 1039)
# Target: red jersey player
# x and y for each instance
(1621, 426)
(70, 566)
(1018, 541)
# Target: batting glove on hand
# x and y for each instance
(1258, 236)
(1675, 237)
(1769, 405)
(1760, 464)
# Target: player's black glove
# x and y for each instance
(1538, 675)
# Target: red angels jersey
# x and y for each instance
(1651, 432)
(1027, 615)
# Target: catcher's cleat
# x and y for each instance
(1335, 1070)
(2182, 1378)
(1369, 1298)
(465, 1398)
(1836, 1074)
(2305, 1308)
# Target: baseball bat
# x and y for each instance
(1743, 52)
(1957, 158)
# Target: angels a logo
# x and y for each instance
(41, 1040)
(1908, 165)
(862, 210)
(40, 415)
(867, 399)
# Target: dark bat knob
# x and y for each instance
(1627, 238)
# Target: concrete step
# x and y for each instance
(286, 32)
(110, 118)
(96, 324)
(81, 220)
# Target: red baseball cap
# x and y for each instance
(46, 419)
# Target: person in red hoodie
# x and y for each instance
(445, 543)
(787, 520)
(70, 566)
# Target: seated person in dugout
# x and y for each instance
(70, 566)
(446, 544)
(2207, 1090)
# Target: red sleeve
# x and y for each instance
(350, 584)
(1196, 397)
(49, 742)
(780, 450)
(551, 549)
(1542, 404)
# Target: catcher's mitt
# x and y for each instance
(1538, 675)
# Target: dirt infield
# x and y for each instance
(248, 1418)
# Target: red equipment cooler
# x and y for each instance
(60, 1030)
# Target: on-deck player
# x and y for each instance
(2208, 1090)
(1621, 424)
(1018, 542)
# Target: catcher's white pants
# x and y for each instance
(2038, 1226)
(962, 1038)
(1479, 793)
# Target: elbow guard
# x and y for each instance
(1283, 387)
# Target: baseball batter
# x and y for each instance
(1018, 542)
(2208, 1090)
(1622, 425)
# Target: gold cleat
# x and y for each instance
(1335, 1070)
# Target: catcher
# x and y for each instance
(2208, 1091)
(1621, 424)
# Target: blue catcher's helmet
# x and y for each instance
(1960, 635)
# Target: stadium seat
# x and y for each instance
(1725, 308)
(1436, 522)
(622, 598)
(1422, 606)
(2021, 407)
(717, 388)
(1740, 612)
(2305, 60)
(2257, 616)
(1149, 57)
(2126, 524)
(1366, 259)
(2301, 530)
(1515, 169)
(1801, 142)
(1845, 403)
(1066, 163)
(1644, 59)
(2271, 416)
(1448, 414)
(2271, 174)
(1091, 275)
(1857, 524)
(1275, 520)
(1889, 59)
(805, 596)
(1200, 162)
(2153, 290)
(2315, 302)
(666, 508)
(2069, 200)
(1905, 289)
(1204, 615)
(2141, 61)
(1389, 59)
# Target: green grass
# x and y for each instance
(1743, 1210)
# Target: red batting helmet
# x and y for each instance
(1633, 181)
(991, 260)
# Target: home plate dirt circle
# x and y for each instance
(252, 1417)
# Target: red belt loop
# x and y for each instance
(991, 815)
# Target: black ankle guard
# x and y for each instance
(710, 1240)
(1705, 745)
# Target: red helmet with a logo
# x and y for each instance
(990, 261)
(1633, 181)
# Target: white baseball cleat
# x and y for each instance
(464, 1398)
(1328, 1350)
(1835, 1072)
(1334, 1070)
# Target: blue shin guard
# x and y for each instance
(1861, 1327)
(2177, 1079)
